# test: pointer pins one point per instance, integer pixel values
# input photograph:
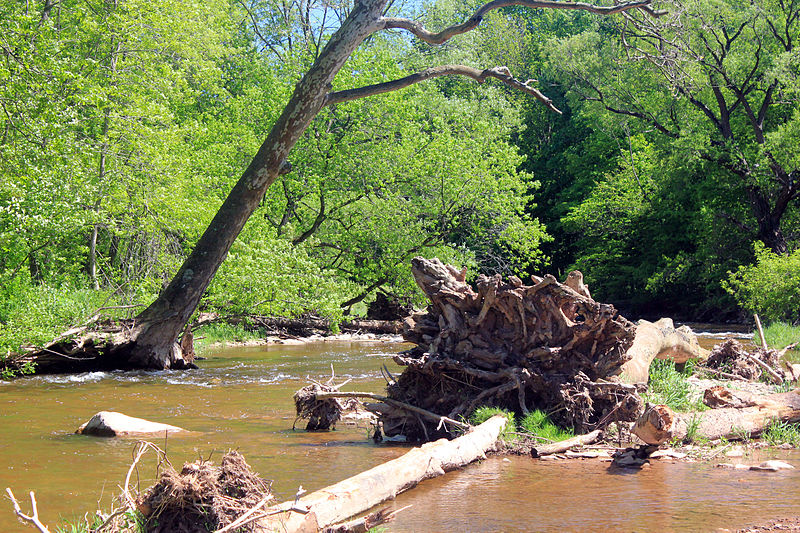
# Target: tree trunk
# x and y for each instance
(361, 492)
(158, 326)
(91, 266)
(743, 415)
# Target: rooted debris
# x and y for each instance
(204, 497)
(323, 413)
(731, 357)
(512, 345)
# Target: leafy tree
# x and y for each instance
(715, 81)
(770, 287)
(151, 342)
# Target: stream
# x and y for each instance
(241, 398)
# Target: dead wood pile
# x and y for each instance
(322, 413)
(732, 358)
(548, 346)
(203, 497)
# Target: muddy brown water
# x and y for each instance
(241, 399)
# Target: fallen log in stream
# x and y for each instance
(363, 491)
(734, 414)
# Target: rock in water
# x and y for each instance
(112, 424)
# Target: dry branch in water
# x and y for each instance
(33, 518)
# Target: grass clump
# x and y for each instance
(224, 333)
(669, 387)
(779, 335)
(482, 414)
(778, 433)
(539, 425)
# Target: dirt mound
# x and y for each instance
(203, 497)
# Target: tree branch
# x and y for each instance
(500, 73)
(471, 23)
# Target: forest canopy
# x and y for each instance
(669, 179)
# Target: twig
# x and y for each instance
(396, 403)
(33, 518)
(365, 523)
(132, 306)
(761, 332)
(141, 448)
(777, 378)
(564, 445)
(246, 517)
(721, 373)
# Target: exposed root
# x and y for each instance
(543, 346)
(204, 497)
(733, 359)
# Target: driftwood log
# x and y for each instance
(547, 346)
(659, 340)
(734, 414)
(361, 492)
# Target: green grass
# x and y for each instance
(782, 433)
(779, 335)
(482, 414)
(224, 333)
(669, 387)
(36, 314)
(538, 424)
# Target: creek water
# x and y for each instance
(241, 398)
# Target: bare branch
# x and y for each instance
(500, 73)
(33, 518)
(471, 23)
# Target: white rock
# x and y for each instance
(112, 424)
(670, 453)
(773, 466)
(735, 452)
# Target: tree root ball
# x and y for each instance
(203, 497)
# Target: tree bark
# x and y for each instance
(361, 492)
(747, 415)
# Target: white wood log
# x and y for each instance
(363, 491)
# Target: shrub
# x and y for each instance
(482, 414)
(770, 287)
(782, 433)
(669, 387)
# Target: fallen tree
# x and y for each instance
(363, 491)
(548, 345)
(734, 414)
(95, 344)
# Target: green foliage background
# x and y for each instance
(125, 123)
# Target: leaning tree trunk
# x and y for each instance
(153, 340)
